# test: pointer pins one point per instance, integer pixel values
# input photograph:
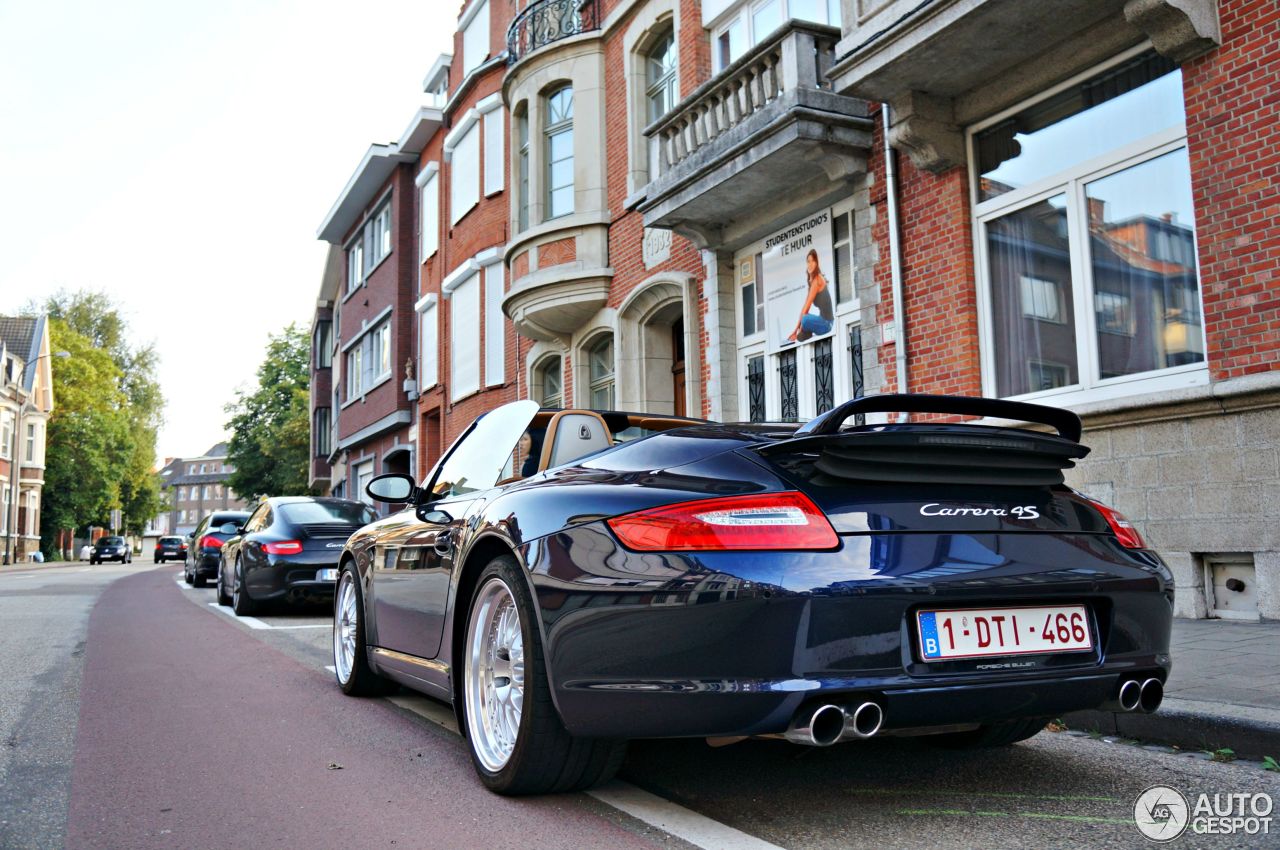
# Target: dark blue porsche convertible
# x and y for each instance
(570, 579)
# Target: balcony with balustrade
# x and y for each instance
(764, 138)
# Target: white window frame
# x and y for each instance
(494, 151)
(1071, 182)
(464, 342)
(428, 183)
(743, 13)
(33, 507)
(550, 131)
(6, 433)
(362, 470)
(428, 341)
(495, 353)
(6, 504)
(368, 358)
(464, 173)
(474, 26)
(848, 313)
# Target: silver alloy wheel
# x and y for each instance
(345, 620)
(494, 676)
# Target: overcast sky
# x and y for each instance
(180, 155)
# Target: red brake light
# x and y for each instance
(283, 547)
(1123, 529)
(759, 521)
(210, 542)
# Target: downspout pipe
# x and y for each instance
(895, 260)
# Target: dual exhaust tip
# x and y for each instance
(1144, 697)
(824, 724)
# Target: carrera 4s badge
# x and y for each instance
(1019, 511)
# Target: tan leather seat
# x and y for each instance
(572, 434)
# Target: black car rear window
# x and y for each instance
(171, 540)
(303, 513)
(110, 541)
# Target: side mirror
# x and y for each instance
(433, 516)
(392, 487)
(230, 528)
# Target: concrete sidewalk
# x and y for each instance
(1224, 692)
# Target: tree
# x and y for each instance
(270, 446)
(96, 318)
(89, 438)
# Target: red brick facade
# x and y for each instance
(1233, 135)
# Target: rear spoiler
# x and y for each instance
(1066, 423)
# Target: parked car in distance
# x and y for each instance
(205, 545)
(111, 548)
(821, 583)
(171, 547)
(288, 551)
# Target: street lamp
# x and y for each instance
(15, 465)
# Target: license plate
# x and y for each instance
(327, 575)
(976, 632)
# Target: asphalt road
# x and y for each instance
(161, 720)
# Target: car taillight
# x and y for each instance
(283, 547)
(210, 542)
(1123, 529)
(759, 521)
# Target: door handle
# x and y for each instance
(444, 542)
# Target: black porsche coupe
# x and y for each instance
(570, 579)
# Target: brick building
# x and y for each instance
(753, 209)
(195, 487)
(363, 334)
(26, 402)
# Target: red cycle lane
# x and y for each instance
(194, 734)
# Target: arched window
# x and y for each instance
(559, 134)
(660, 91)
(600, 372)
(550, 379)
(522, 168)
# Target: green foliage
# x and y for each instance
(270, 444)
(107, 408)
(1269, 763)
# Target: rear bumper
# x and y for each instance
(292, 579)
(724, 644)
(206, 565)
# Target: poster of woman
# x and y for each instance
(799, 299)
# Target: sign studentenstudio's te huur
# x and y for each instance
(799, 288)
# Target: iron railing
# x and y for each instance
(545, 22)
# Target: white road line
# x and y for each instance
(676, 820)
(331, 669)
(667, 816)
(251, 622)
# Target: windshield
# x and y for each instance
(352, 513)
(170, 540)
(110, 541)
(486, 454)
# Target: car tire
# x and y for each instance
(159, 560)
(240, 601)
(544, 758)
(92, 562)
(186, 575)
(197, 580)
(990, 735)
(224, 598)
(351, 667)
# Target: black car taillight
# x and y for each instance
(1124, 531)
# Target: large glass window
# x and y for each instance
(1083, 203)
(600, 372)
(661, 91)
(559, 134)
